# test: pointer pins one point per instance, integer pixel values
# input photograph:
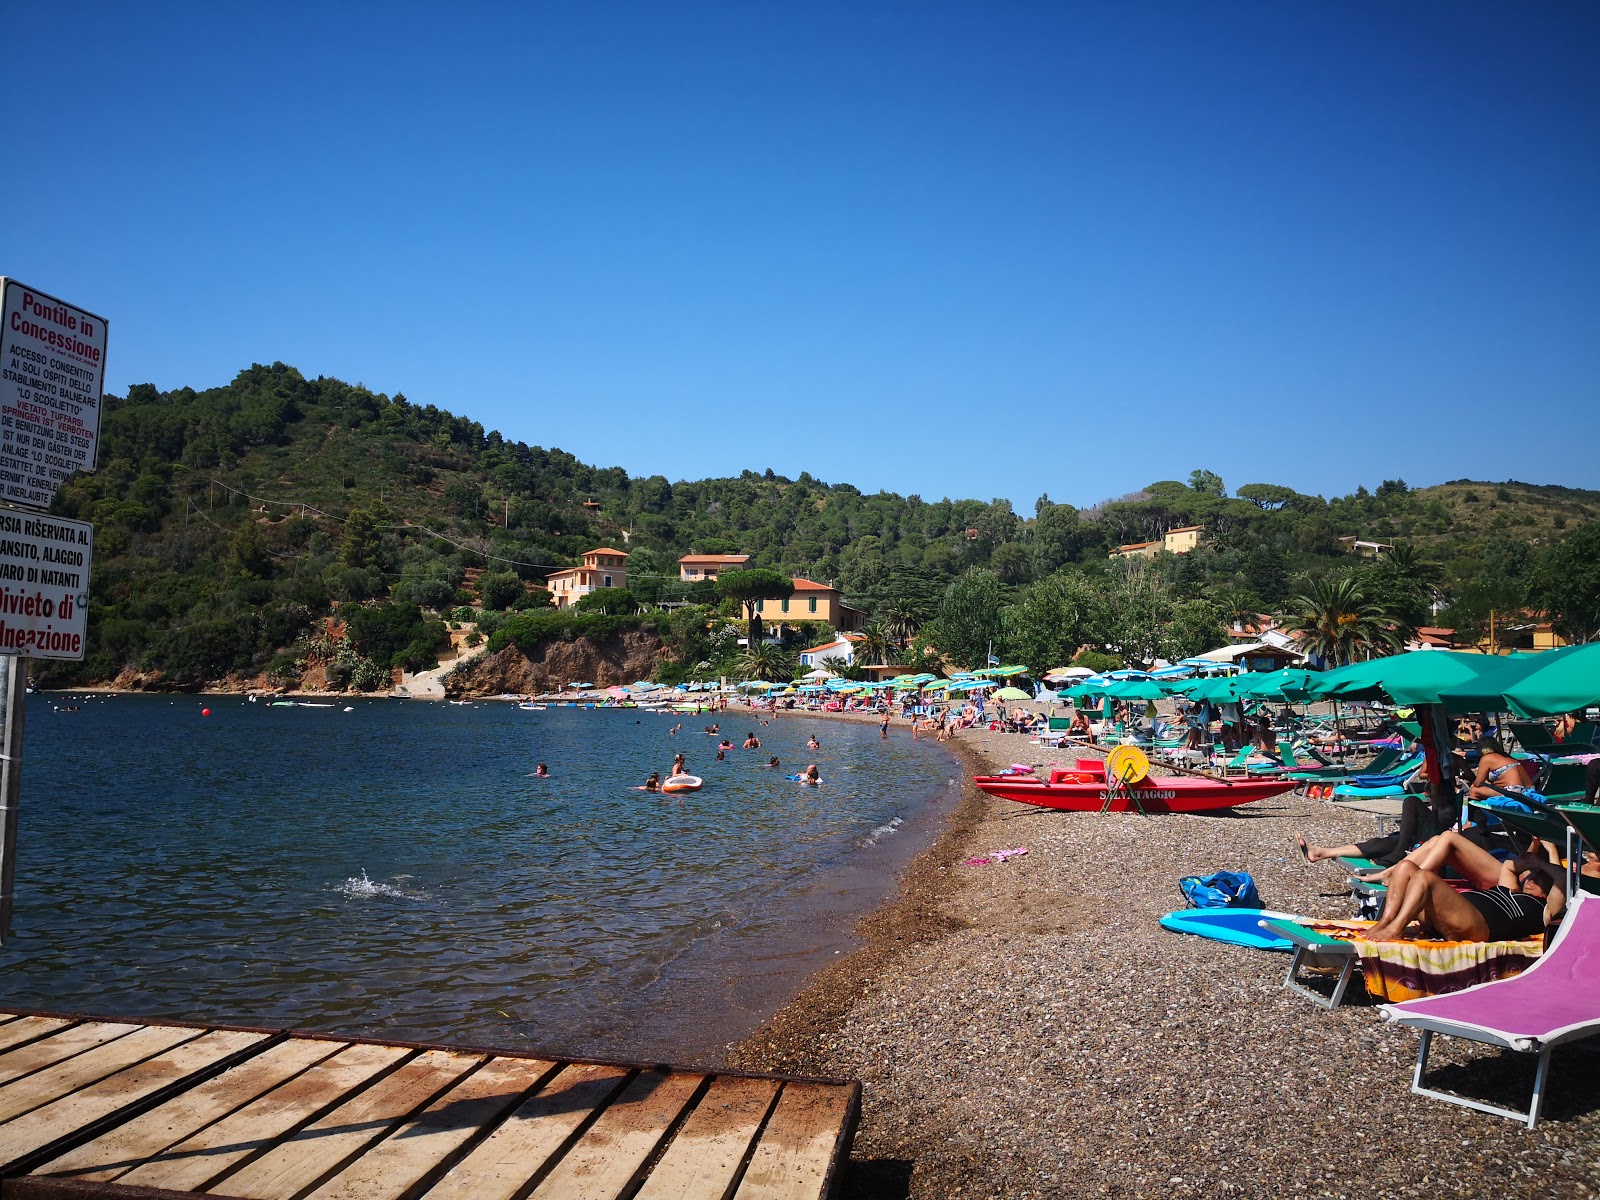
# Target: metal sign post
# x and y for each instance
(13, 698)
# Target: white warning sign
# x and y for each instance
(44, 584)
(52, 374)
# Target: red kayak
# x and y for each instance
(1083, 789)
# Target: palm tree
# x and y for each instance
(766, 660)
(873, 645)
(1338, 624)
(900, 621)
(1409, 564)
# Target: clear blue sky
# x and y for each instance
(951, 249)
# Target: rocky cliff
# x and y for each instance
(611, 661)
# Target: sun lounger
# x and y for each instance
(1556, 1000)
(1398, 970)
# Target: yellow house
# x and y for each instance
(1137, 550)
(602, 568)
(692, 568)
(1181, 540)
(813, 602)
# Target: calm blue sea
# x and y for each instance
(393, 869)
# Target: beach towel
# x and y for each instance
(1222, 889)
(1397, 971)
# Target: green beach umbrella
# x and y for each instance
(1136, 689)
(1291, 684)
(1414, 678)
(1486, 691)
(1011, 693)
(1564, 681)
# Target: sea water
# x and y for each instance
(394, 869)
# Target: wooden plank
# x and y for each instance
(501, 1166)
(113, 1091)
(612, 1151)
(797, 1148)
(59, 1046)
(418, 1148)
(144, 1138)
(191, 1164)
(706, 1154)
(79, 1071)
(329, 1142)
(18, 1030)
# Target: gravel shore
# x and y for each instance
(1025, 1028)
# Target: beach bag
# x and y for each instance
(1224, 889)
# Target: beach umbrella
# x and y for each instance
(1563, 681)
(1011, 693)
(1006, 672)
(1407, 679)
(617, 692)
(581, 685)
(819, 673)
(1292, 684)
(1136, 689)
(1060, 674)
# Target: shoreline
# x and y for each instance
(1026, 1029)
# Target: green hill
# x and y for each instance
(233, 523)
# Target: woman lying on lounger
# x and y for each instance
(1418, 823)
(1509, 901)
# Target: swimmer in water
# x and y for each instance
(653, 784)
(541, 772)
(773, 762)
(811, 775)
(752, 742)
(813, 744)
(721, 754)
(677, 765)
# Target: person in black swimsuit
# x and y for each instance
(1525, 901)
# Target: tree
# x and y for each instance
(1565, 583)
(498, 589)
(750, 588)
(607, 600)
(969, 621)
(1410, 565)
(1338, 623)
(900, 620)
(1269, 497)
(1208, 482)
(874, 644)
(764, 660)
(1050, 620)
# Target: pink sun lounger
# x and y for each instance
(1554, 1001)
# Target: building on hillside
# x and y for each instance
(841, 647)
(1137, 550)
(1175, 541)
(1363, 549)
(602, 568)
(813, 602)
(693, 568)
(1182, 539)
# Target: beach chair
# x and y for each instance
(1536, 738)
(1555, 1001)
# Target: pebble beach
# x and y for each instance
(1023, 1027)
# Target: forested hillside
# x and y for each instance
(279, 522)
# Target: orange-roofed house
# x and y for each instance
(602, 568)
(692, 568)
(813, 601)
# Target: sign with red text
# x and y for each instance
(52, 374)
(44, 584)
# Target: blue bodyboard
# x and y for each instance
(1236, 926)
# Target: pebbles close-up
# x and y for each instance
(1024, 1027)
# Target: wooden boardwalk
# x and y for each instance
(95, 1107)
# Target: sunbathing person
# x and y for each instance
(1467, 859)
(1496, 767)
(1527, 902)
(1418, 823)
